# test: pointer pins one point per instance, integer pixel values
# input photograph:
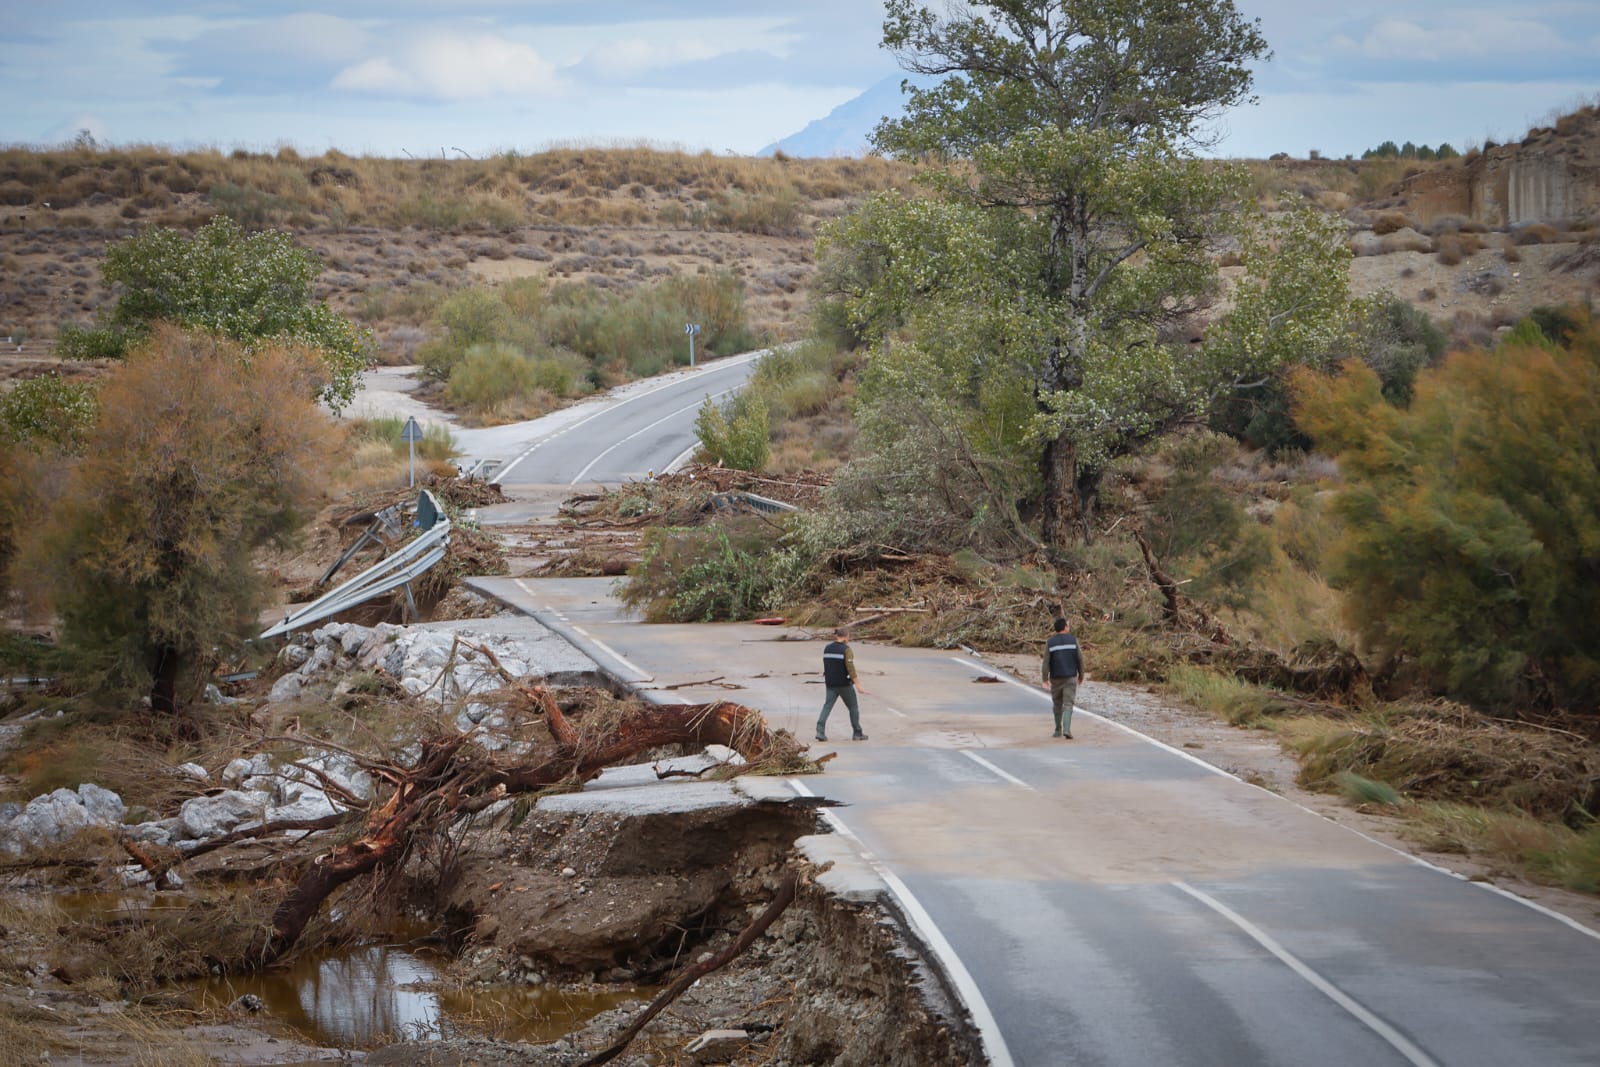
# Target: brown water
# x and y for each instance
(387, 989)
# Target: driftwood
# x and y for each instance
(452, 779)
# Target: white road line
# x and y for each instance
(1395, 1038)
(647, 429)
(980, 761)
(1076, 710)
(736, 361)
(895, 711)
(922, 923)
(1534, 905)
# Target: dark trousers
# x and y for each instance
(1063, 691)
(836, 692)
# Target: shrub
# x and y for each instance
(1389, 223)
(704, 575)
(736, 434)
(1465, 514)
(488, 375)
(1538, 233)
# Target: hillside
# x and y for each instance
(1476, 242)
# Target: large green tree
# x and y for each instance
(199, 455)
(252, 288)
(1063, 134)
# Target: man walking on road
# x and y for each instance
(839, 675)
(1063, 671)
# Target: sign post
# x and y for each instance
(691, 329)
(411, 435)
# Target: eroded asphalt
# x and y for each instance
(1110, 900)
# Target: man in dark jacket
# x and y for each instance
(1063, 671)
(839, 675)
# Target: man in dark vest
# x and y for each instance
(839, 675)
(1063, 671)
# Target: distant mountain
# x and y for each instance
(847, 129)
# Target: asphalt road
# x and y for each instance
(1109, 900)
(626, 434)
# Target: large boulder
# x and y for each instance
(212, 816)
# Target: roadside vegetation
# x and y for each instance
(516, 350)
(1368, 532)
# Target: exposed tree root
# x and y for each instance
(452, 778)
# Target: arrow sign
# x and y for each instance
(691, 329)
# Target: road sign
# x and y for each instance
(691, 328)
(411, 435)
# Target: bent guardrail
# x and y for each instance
(384, 576)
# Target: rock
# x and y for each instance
(216, 815)
(247, 1003)
(322, 658)
(331, 634)
(717, 1046)
(286, 689)
(354, 638)
(236, 771)
(213, 695)
(304, 804)
(294, 655)
(51, 817)
(194, 772)
(568, 872)
(103, 806)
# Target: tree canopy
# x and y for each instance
(252, 288)
(198, 456)
(1471, 519)
(1044, 296)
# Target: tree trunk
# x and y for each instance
(164, 683)
(1069, 492)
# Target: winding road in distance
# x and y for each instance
(1108, 900)
(642, 427)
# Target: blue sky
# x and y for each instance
(480, 76)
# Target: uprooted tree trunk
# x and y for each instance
(451, 779)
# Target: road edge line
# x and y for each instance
(938, 947)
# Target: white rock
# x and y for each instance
(236, 771)
(212, 816)
(331, 634)
(194, 772)
(294, 655)
(306, 804)
(103, 806)
(285, 689)
(354, 637)
(322, 658)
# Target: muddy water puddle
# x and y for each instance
(388, 988)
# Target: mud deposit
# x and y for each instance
(535, 937)
(586, 900)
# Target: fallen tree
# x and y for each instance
(452, 778)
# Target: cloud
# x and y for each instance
(1466, 36)
(453, 66)
(626, 59)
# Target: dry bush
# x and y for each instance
(1449, 250)
(1510, 254)
(1538, 233)
(1406, 241)
(1390, 222)
(1451, 753)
